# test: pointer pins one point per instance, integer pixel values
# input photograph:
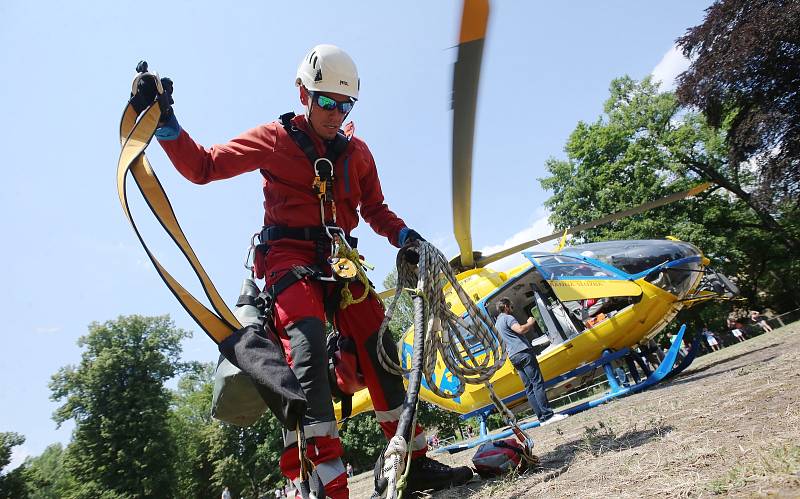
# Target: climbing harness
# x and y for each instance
(343, 260)
(438, 334)
(220, 324)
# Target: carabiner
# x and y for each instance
(334, 232)
(249, 260)
(327, 175)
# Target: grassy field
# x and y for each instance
(729, 425)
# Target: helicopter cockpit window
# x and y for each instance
(677, 280)
(681, 261)
(556, 267)
(633, 257)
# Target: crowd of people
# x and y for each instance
(643, 359)
(740, 326)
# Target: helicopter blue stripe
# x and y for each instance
(666, 265)
(622, 274)
(444, 385)
(606, 358)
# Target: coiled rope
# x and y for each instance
(438, 333)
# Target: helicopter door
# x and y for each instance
(575, 278)
(558, 326)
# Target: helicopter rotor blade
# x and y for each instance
(594, 223)
(466, 75)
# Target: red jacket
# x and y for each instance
(288, 175)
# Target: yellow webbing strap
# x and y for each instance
(135, 136)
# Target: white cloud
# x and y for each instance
(540, 227)
(18, 456)
(672, 64)
(446, 243)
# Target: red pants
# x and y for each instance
(300, 322)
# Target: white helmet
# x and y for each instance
(327, 68)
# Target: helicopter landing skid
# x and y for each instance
(664, 370)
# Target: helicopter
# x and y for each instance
(589, 300)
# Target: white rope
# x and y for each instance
(449, 337)
(394, 464)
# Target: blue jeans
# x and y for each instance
(528, 369)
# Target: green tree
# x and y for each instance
(122, 445)
(12, 483)
(45, 475)
(744, 77)
(213, 455)
(445, 423)
(403, 316)
(193, 428)
(363, 442)
(645, 147)
(246, 459)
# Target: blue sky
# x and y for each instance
(70, 257)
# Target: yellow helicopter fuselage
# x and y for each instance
(627, 328)
(653, 308)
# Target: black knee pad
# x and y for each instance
(310, 365)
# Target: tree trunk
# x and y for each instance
(709, 173)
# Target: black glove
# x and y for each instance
(408, 236)
(146, 92)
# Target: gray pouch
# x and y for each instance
(236, 399)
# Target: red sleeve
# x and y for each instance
(373, 209)
(243, 154)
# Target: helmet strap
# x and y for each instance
(309, 107)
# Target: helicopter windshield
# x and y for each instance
(633, 257)
(558, 267)
(574, 277)
(674, 266)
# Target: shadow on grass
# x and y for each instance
(700, 373)
(598, 440)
